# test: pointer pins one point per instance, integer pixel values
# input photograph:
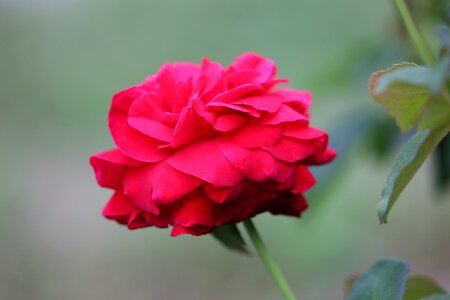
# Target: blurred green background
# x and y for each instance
(60, 62)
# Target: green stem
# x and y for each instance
(421, 45)
(270, 264)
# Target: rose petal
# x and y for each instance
(291, 150)
(118, 208)
(285, 114)
(110, 167)
(152, 128)
(150, 106)
(263, 103)
(255, 135)
(255, 205)
(137, 220)
(210, 82)
(204, 160)
(195, 215)
(167, 86)
(322, 157)
(129, 140)
(158, 184)
(230, 122)
(269, 84)
(252, 61)
(291, 205)
(300, 100)
(304, 179)
(139, 191)
(140, 219)
(236, 93)
(185, 71)
(178, 230)
(175, 83)
(302, 133)
(121, 210)
(217, 194)
(191, 127)
(242, 190)
(240, 78)
(255, 164)
(218, 107)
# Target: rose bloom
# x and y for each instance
(200, 146)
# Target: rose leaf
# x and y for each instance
(435, 114)
(401, 90)
(409, 160)
(385, 280)
(405, 90)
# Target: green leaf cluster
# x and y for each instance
(414, 96)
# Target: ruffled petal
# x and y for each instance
(264, 103)
(121, 210)
(139, 190)
(290, 205)
(149, 106)
(322, 157)
(118, 208)
(242, 190)
(191, 127)
(184, 71)
(236, 93)
(195, 216)
(255, 135)
(285, 114)
(210, 82)
(178, 230)
(158, 184)
(152, 128)
(292, 150)
(299, 100)
(301, 132)
(204, 160)
(175, 83)
(217, 194)
(230, 122)
(255, 164)
(240, 78)
(304, 179)
(138, 220)
(254, 205)
(224, 108)
(252, 61)
(129, 140)
(110, 167)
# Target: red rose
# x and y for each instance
(199, 146)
